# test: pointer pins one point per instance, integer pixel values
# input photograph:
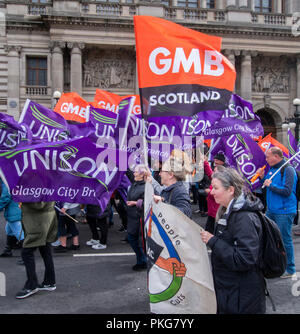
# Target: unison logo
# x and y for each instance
(2, 285)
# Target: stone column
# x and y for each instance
(57, 66)
(230, 55)
(252, 5)
(231, 3)
(278, 6)
(13, 79)
(203, 4)
(243, 4)
(246, 76)
(76, 66)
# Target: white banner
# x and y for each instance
(179, 273)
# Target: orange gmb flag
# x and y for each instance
(73, 107)
(268, 141)
(110, 101)
(181, 71)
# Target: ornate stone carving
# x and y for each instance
(270, 74)
(57, 46)
(109, 69)
(13, 49)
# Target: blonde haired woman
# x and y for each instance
(172, 174)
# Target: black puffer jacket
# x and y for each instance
(235, 255)
(134, 214)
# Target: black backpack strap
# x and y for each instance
(267, 294)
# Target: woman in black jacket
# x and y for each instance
(236, 246)
(135, 216)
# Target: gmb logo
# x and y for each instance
(296, 24)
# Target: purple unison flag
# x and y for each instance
(123, 187)
(293, 149)
(292, 144)
(13, 134)
(163, 134)
(241, 153)
(239, 117)
(79, 130)
(104, 121)
(45, 124)
(76, 171)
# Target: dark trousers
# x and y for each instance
(102, 223)
(122, 211)
(202, 203)
(65, 225)
(28, 258)
(135, 245)
(194, 193)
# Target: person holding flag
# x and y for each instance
(281, 201)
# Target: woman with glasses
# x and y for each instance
(235, 245)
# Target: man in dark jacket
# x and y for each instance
(281, 201)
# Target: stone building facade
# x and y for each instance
(82, 45)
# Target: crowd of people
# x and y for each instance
(232, 231)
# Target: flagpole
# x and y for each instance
(144, 133)
(64, 213)
(278, 170)
(145, 143)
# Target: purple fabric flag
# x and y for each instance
(13, 134)
(104, 121)
(292, 144)
(123, 187)
(79, 130)
(179, 130)
(239, 117)
(76, 171)
(46, 125)
(293, 149)
(241, 153)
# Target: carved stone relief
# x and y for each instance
(270, 74)
(109, 69)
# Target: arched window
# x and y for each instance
(264, 6)
(267, 121)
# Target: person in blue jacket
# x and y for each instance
(13, 217)
(281, 201)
